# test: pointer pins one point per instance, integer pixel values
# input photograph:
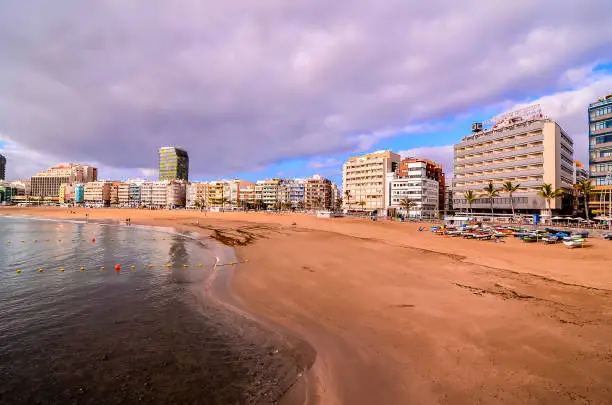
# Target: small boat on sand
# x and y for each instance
(574, 242)
(550, 239)
(607, 236)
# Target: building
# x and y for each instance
(415, 185)
(433, 171)
(176, 194)
(2, 168)
(97, 193)
(317, 193)
(129, 193)
(7, 192)
(48, 182)
(173, 164)
(196, 195)
(268, 192)
(146, 194)
(523, 147)
(159, 194)
(216, 194)
(79, 193)
(448, 200)
(580, 173)
(292, 192)
(66, 194)
(231, 191)
(600, 153)
(365, 180)
(246, 199)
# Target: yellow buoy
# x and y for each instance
(82, 268)
(184, 265)
(231, 263)
(246, 260)
(9, 242)
(132, 267)
(150, 265)
(35, 240)
(18, 271)
(168, 265)
(40, 270)
(101, 267)
(199, 264)
(62, 269)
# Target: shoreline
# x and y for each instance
(397, 316)
(217, 288)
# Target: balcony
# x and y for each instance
(501, 133)
(601, 159)
(526, 151)
(601, 117)
(503, 145)
(601, 131)
(479, 188)
(600, 145)
(505, 175)
(501, 165)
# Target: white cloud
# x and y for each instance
(324, 163)
(246, 84)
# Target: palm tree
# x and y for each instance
(318, 202)
(548, 193)
(347, 197)
(585, 187)
(470, 197)
(224, 201)
(338, 203)
(300, 205)
(510, 188)
(259, 204)
(197, 204)
(490, 191)
(407, 203)
(362, 204)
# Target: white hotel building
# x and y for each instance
(522, 147)
(416, 187)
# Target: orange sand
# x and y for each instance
(405, 317)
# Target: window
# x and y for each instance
(601, 111)
(601, 125)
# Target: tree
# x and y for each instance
(491, 192)
(300, 205)
(585, 187)
(259, 204)
(224, 201)
(510, 188)
(548, 193)
(318, 202)
(197, 204)
(347, 197)
(362, 204)
(470, 197)
(407, 203)
(338, 203)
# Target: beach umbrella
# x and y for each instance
(557, 218)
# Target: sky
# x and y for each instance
(256, 89)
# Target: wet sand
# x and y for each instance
(398, 316)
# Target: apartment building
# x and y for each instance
(216, 194)
(600, 153)
(146, 194)
(416, 185)
(292, 192)
(129, 193)
(159, 194)
(197, 192)
(173, 163)
(523, 147)
(48, 182)
(580, 173)
(97, 193)
(268, 191)
(246, 197)
(365, 178)
(231, 191)
(433, 171)
(66, 194)
(176, 194)
(317, 193)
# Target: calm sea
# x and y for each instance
(147, 335)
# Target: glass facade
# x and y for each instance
(2, 167)
(173, 164)
(600, 140)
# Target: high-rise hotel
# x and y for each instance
(600, 151)
(522, 147)
(173, 164)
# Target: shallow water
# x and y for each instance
(147, 335)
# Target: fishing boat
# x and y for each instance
(607, 236)
(574, 242)
(550, 239)
(530, 238)
(579, 235)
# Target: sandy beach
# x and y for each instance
(398, 316)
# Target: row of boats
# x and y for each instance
(546, 235)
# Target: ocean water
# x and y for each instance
(148, 335)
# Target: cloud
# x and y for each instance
(324, 163)
(244, 84)
(439, 154)
(569, 109)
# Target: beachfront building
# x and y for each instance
(159, 194)
(7, 192)
(246, 198)
(365, 179)
(600, 153)
(412, 166)
(415, 187)
(196, 195)
(176, 194)
(523, 147)
(2, 168)
(231, 191)
(173, 163)
(129, 193)
(146, 194)
(268, 192)
(291, 192)
(317, 193)
(46, 184)
(97, 193)
(448, 200)
(66, 194)
(580, 173)
(216, 194)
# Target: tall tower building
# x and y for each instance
(600, 152)
(173, 164)
(2, 168)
